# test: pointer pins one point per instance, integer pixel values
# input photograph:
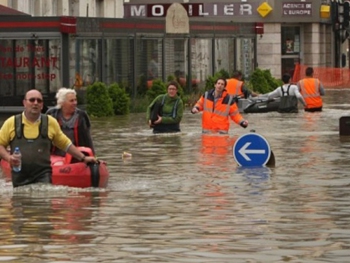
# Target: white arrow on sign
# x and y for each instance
(243, 151)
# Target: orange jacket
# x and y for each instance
(234, 87)
(310, 89)
(216, 115)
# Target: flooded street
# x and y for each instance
(182, 197)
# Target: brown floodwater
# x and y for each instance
(183, 198)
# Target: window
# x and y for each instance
(224, 54)
(83, 62)
(245, 56)
(290, 40)
(29, 63)
(290, 45)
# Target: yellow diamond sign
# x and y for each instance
(264, 9)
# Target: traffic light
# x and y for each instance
(334, 11)
(346, 10)
(334, 14)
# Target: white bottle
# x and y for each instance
(18, 155)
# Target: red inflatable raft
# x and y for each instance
(73, 174)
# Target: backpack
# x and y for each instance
(288, 104)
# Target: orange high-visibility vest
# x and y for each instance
(217, 112)
(310, 90)
(234, 87)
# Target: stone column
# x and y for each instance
(269, 49)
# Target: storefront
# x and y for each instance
(188, 40)
(47, 53)
(289, 31)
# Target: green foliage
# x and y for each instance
(180, 90)
(258, 82)
(191, 99)
(262, 82)
(210, 81)
(102, 101)
(120, 99)
(158, 88)
(126, 86)
(171, 78)
(99, 103)
(223, 74)
(141, 86)
(139, 104)
(271, 81)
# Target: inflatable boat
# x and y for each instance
(259, 104)
(74, 174)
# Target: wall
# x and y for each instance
(83, 8)
(269, 49)
(316, 41)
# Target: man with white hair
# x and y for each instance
(74, 122)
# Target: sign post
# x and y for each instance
(251, 149)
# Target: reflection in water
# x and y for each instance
(71, 222)
(309, 125)
(255, 175)
(217, 144)
(38, 217)
(182, 198)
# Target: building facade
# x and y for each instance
(73, 43)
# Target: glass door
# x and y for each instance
(290, 48)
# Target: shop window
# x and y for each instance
(290, 40)
(179, 57)
(224, 54)
(29, 63)
(245, 56)
(84, 60)
(176, 63)
(149, 59)
(201, 54)
(119, 61)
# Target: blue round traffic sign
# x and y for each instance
(251, 149)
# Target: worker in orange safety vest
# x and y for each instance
(235, 86)
(311, 89)
(218, 108)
